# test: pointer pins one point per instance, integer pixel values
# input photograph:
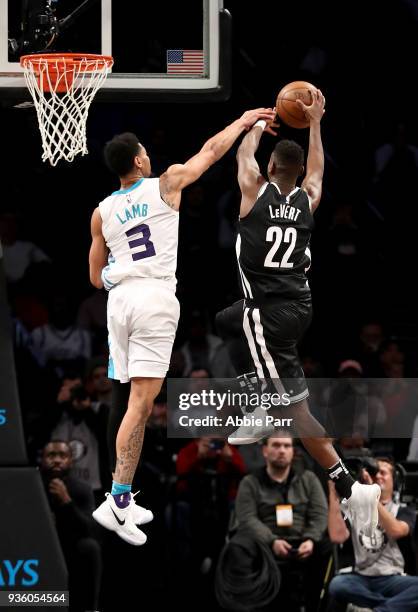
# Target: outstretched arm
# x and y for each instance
(249, 176)
(178, 176)
(312, 182)
(98, 250)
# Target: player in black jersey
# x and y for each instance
(273, 256)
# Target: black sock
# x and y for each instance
(342, 479)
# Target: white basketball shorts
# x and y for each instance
(142, 318)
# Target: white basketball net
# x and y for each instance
(62, 115)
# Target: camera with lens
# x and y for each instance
(370, 464)
(39, 27)
(356, 464)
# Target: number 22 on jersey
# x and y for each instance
(276, 235)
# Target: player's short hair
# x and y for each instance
(289, 154)
(120, 152)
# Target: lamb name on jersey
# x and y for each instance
(141, 232)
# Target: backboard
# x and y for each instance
(162, 51)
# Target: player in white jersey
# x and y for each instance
(133, 255)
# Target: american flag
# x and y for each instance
(184, 61)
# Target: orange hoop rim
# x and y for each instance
(68, 60)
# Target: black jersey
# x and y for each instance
(273, 245)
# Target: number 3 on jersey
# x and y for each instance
(276, 234)
(143, 241)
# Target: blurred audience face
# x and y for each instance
(371, 336)
(198, 384)
(343, 215)
(350, 373)
(311, 367)
(354, 443)
(101, 383)
(393, 360)
(201, 373)
(278, 452)
(384, 477)
(56, 459)
(158, 416)
(392, 354)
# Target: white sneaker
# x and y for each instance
(361, 507)
(140, 515)
(248, 434)
(353, 608)
(119, 520)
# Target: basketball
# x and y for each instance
(288, 109)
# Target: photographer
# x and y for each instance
(378, 580)
(209, 456)
(208, 471)
(287, 510)
(72, 503)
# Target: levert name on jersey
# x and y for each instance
(273, 245)
(284, 211)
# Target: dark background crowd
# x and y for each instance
(362, 279)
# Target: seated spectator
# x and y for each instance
(395, 161)
(287, 511)
(72, 503)
(73, 417)
(201, 346)
(98, 385)
(392, 359)
(91, 316)
(207, 456)
(208, 471)
(19, 256)
(378, 581)
(361, 411)
(61, 342)
(366, 349)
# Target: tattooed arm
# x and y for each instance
(178, 176)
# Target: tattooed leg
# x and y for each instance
(131, 432)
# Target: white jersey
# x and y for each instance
(141, 232)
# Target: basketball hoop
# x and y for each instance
(62, 86)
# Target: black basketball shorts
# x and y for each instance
(273, 330)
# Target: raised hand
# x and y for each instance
(250, 117)
(316, 109)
